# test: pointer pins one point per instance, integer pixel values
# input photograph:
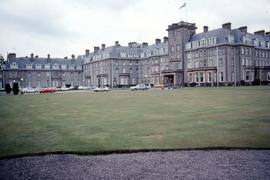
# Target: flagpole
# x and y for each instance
(186, 13)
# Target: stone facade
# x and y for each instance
(222, 56)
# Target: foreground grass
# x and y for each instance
(184, 118)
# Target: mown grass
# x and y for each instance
(118, 120)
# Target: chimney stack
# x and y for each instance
(267, 33)
(165, 39)
(261, 32)
(144, 44)
(227, 26)
(48, 56)
(243, 29)
(96, 49)
(103, 46)
(11, 56)
(158, 41)
(87, 52)
(205, 29)
(73, 57)
(32, 55)
(36, 56)
(117, 43)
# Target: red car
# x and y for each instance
(47, 90)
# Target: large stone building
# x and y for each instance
(222, 56)
(42, 72)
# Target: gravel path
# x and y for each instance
(216, 164)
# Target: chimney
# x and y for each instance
(73, 57)
(227, 26)
(267, 33)
(130, 44)
(11, 56)
(205, 29)
(165, 39)
(103, 46)
(261, 32)
(87, 52)
(117, 43)
(65, 57)
(32, 55)
(36, 56)
(158, 41)
(144, 44)
(243, 29)
(48, 56)
(96, 49)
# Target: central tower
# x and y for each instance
(179, 34)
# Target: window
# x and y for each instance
(71, 66)
(172, 48)
(28, 66)
(38, 66)
(130, 70)
(209, 77)
(38, 74)
(247, 75)
(190, 77)
(29, 74)
(196, 77)
(48, 74)
(177, 47)
(124, 70)
(116, 70)
(47, 66)
(201, 77)
(205, 63)
(221, 76)
(268, 76)
(14, 65)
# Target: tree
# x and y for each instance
(7, 88)
(15, 88)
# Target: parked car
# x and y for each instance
(83, 88)
(47, 90)
(139, 87)
(64, 89)
(101, 89)
(29, 90)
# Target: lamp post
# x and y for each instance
(21, 84)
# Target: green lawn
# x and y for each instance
(183, 118)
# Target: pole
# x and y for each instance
(112, 74)
(217, 68)
(186, 13)
(234, 66)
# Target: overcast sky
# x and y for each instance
(65, 27)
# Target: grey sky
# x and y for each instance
(64, 27)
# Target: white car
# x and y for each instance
(29, 90)
(83, 88)
(139, 87)
(64, 89)
(101, 89)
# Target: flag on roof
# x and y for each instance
(184, 5)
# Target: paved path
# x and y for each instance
(235, 164)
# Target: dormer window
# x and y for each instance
(13, 65)
(203, 42)
(28, 66)
(256, 43)
(38, 66)
(262, 43)
(47, 66)
(71, 66)
(55, 66)
(230, 39)
(188, 45)
(63, 66)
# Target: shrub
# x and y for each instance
(15, 88)
(7, 88)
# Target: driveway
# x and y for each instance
(214, 164)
